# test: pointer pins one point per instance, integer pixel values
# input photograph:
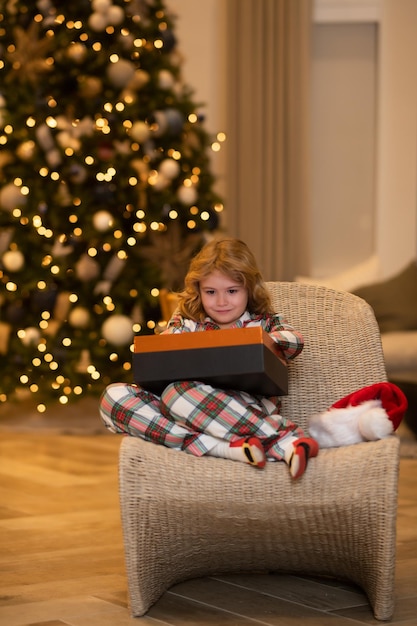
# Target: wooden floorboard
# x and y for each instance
(61, 551)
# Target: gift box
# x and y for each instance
(245, 359)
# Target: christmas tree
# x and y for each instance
(105, 188)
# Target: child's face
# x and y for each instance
(223, 299)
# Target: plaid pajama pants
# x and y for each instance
(194, 417)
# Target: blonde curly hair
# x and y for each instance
(233, 258)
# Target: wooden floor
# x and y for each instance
(61, 554)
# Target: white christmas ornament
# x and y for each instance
(140, 131)
(11, 197)
(77, 52)
(26, 150)
(101, 5)
(121, 72)
(87, 268)
(187, 195)
(117, 330)
(13, 260)
(169, 168)
(102, 221)
(31, 336)
(97, 22)
(79, 317)
(139, 80)
(159, 182)
(115, 15)
(165, 79)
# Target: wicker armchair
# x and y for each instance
(185, 517)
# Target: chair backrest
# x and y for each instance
(342, 351)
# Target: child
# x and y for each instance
(223, 289)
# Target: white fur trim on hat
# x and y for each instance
(353, 424)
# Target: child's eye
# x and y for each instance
(233, 290)
(209, 292)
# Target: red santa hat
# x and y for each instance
(367, 414)
(392, 400)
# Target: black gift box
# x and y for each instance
(245, 359)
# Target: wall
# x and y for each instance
(368, 205)
(381, 217)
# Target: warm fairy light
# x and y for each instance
(137, 328)
(158, 43)
(78, 390)
(41, 408)
(155, 292)
(192, 118)
(205, 215)
(51, 122)
(66, 342)
(218, 207)
(221, 137)
(131, 241)
(140, 214)
(215, 146)
(63, 400)
(73, 298)
(31, 122)
(191, 224)
(11, 286)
